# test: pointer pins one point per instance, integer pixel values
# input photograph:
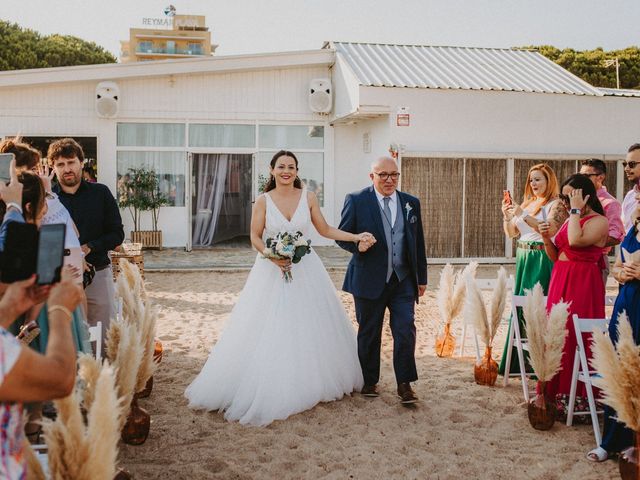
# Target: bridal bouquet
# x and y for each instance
(287, 245)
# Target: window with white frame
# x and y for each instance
(305, 141)
(156, 146)
(222, 136)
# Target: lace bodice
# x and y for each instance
(276, 222)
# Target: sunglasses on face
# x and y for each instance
(629, 164)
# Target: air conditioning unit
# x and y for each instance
(107, 98)
(320, 95)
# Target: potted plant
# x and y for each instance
(139, 191)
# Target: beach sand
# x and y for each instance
(459, 430)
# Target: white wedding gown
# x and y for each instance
(285, 346)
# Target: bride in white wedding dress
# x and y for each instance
(286, 346)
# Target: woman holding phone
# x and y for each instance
(540, 203)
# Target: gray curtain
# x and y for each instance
(211, 177)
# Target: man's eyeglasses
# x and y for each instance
(384, 175)
(591, 174)
(629, 164)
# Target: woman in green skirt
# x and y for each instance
(540, 203)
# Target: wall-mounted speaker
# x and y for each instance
(107, 98)
(320, 95)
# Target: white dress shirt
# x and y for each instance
(393, 205)
(629, 204)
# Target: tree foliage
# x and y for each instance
(22, 48)
(139, 191)
(589, 65)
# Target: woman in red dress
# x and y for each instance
(576, 277)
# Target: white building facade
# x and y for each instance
(209, 127)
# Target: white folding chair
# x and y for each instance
(95, 335)
(483, 284)
(582, 372)
(521, 344)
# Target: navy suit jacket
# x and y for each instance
(367, 271)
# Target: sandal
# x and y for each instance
(28, 332)
(598, 455)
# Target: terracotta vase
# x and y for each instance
(485, 372)
(542, 412)
(144, 393)
(157, 352)
(122, 474)
(445, 343)
(629, 463)
(136, 428)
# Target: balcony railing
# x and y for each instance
(169, 51)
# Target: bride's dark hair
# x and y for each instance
(271, 184)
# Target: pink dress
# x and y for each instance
(578, 281)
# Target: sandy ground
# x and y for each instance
(459, 430)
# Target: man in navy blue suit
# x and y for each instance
(388, 273)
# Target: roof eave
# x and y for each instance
(217, 64)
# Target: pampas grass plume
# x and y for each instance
(474, 311)
(619, 369)
(445, 293)
(460, 288)
(546, 335)
(88, 372)
(498, 301)
(34, 469)
(103, 433)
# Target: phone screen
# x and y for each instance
(50, 253)
(5, 166)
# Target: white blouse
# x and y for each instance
(528, 234)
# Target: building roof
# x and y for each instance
(620, 92)
(210, 64)
(418, 66)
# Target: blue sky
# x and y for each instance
(250, 26)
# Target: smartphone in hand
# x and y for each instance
(506, 197)
(50, 253)
(5, 166)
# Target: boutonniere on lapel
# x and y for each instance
(408, 208)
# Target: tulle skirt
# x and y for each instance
(285, 348)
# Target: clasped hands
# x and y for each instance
(365, 241)
(629, 271)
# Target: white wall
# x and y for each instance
(278, 95)
(352, 165)
(509, 122)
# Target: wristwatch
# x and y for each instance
(574, 211)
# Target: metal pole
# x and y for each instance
(617, 73)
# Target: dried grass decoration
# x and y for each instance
(86, 452)
(620, 384)
(130, 348)
(450, 297)
(485, 370)
(546, 335)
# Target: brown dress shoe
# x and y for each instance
(370, 391)
(406, 394)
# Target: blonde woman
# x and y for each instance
(540, 203)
